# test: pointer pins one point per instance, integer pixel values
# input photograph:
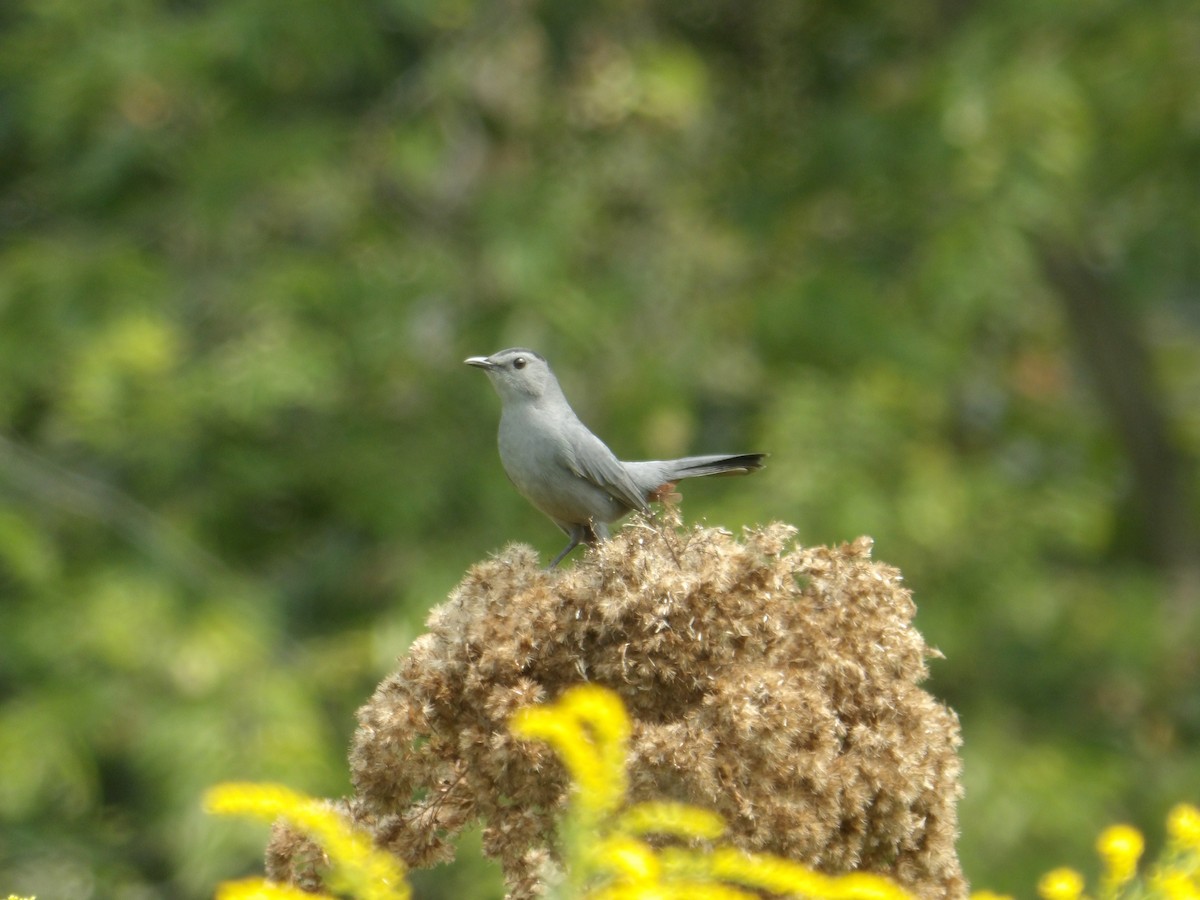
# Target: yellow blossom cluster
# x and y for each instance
(609, 854)
(351, 862)
(662, 850)
(655, 850)
(1176, 875)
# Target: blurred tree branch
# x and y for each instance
(1113, 350)
(51, 484)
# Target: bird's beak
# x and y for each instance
(481, 362)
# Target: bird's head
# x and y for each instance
(517, 373)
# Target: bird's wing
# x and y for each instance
(589, 458)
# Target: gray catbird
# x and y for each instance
(565, 470)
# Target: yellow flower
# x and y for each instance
(590, 729)
(677, 890)
(1120, 846)
(259, 889)
(1175, 886)
(1183, 825)
(358, 867)
(1060, 884)
(676, 819)
(629, 859)
(776, 875)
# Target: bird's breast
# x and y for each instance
(536, 456)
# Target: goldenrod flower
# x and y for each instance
(989, 895)
(675, 819)
(776, 875)
(358, 867)
(676, 890)
(1060, 884)
(629, 859)
(1173, 885)
(681, 890)
(1120, 847)
(1183, 825)
(260, 889)
(590, 729)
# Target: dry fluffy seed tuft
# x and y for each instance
(773, 684)
(293, 858)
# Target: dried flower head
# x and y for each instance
(774, 685)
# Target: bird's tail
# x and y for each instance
(656, 478)
(695, 466)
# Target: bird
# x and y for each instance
(567, 472)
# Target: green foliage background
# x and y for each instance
(940, 258)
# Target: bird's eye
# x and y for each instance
(519, 362)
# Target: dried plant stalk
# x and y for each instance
(776, 685)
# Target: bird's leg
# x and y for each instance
(590, 533)
(577, 534)
(571, 545)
